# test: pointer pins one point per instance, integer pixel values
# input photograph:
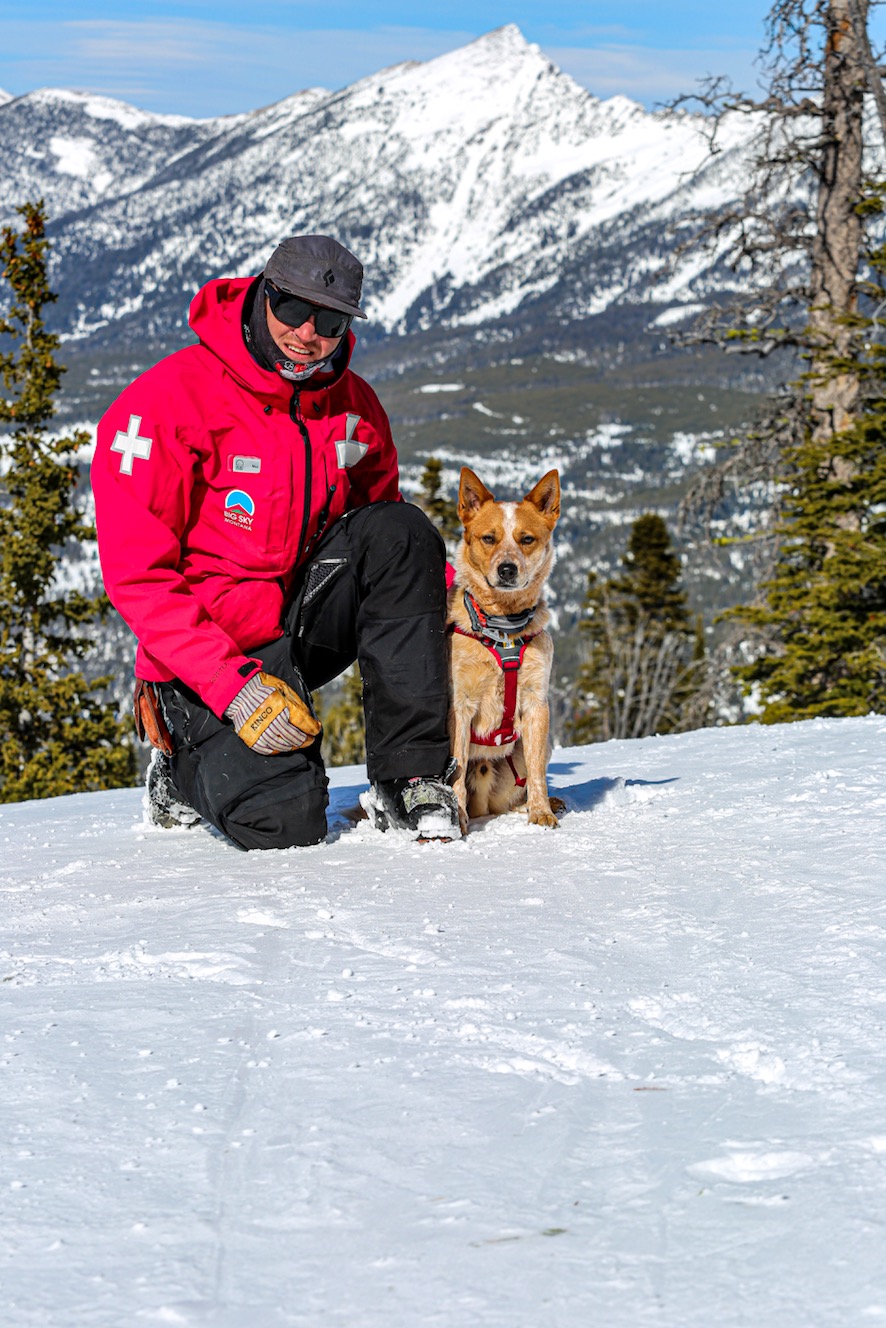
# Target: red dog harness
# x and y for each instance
(508, 652)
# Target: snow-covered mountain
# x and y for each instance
(626, 1073)
(478, 184)
(510, 221)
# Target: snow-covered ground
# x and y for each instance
(630, 1072)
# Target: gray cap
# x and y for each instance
(318, 269)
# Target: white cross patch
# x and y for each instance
(347, 450)
(130, 445)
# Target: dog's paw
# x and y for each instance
(542, 816)
(558, 806)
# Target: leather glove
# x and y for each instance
(270, 717)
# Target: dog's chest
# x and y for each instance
(479, 688)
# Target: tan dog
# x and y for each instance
(502, 564)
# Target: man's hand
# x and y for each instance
(270, 717)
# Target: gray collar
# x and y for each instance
(499, 627)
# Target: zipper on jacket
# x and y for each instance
(323, 518)
(298, 419)
(324, 515)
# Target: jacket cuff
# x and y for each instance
(221, 689)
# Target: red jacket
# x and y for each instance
(210, 493)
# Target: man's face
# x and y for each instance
(301, 344)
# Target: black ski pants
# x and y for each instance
(374, 591)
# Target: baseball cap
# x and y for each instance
(319, 269)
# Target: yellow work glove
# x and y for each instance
(270, 717)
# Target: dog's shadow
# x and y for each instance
(345, 811)
(585, 797)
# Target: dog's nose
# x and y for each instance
(507, 573)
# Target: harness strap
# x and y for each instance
(509, 657)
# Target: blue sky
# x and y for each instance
(211, 57)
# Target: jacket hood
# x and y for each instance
(216, 317)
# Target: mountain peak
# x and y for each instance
(508, 35)
(470, 184)
(506, 43)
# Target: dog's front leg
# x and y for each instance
(460, 743)
(535, 723)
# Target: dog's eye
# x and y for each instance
(488, 539)
(527, 539)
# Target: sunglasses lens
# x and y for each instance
(294, 311)
(330, 323)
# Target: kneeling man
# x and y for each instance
(252, 535)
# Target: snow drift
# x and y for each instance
(628, 1072)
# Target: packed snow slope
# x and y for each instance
(629, 1072)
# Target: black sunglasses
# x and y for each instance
(293, 311)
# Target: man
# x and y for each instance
(252, 535)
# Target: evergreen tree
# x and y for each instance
(650, 584)
(644, 672)
(57, 734)
(344, 741)
(802, 237)
(820, 623)
(442, 511)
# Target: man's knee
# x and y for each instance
(257, 801)
(289, 822)
(400, 524)
(401, 558)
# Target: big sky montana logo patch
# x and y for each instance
(239, 509)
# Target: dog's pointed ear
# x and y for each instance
(546, 496)
(472, 494)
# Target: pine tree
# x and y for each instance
(442, 511)
(344, 741)
(820, 622)
(651, 582)
(644, 671)
(801, 238)
(57, 734)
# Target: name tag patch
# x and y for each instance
(244, 465)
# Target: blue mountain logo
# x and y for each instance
(238, 501)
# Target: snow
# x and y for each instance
(676, 315)
(107, 108)
(629, 1072)
(77, 157)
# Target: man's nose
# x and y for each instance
(307, 331)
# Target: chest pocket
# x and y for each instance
(247, 500)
